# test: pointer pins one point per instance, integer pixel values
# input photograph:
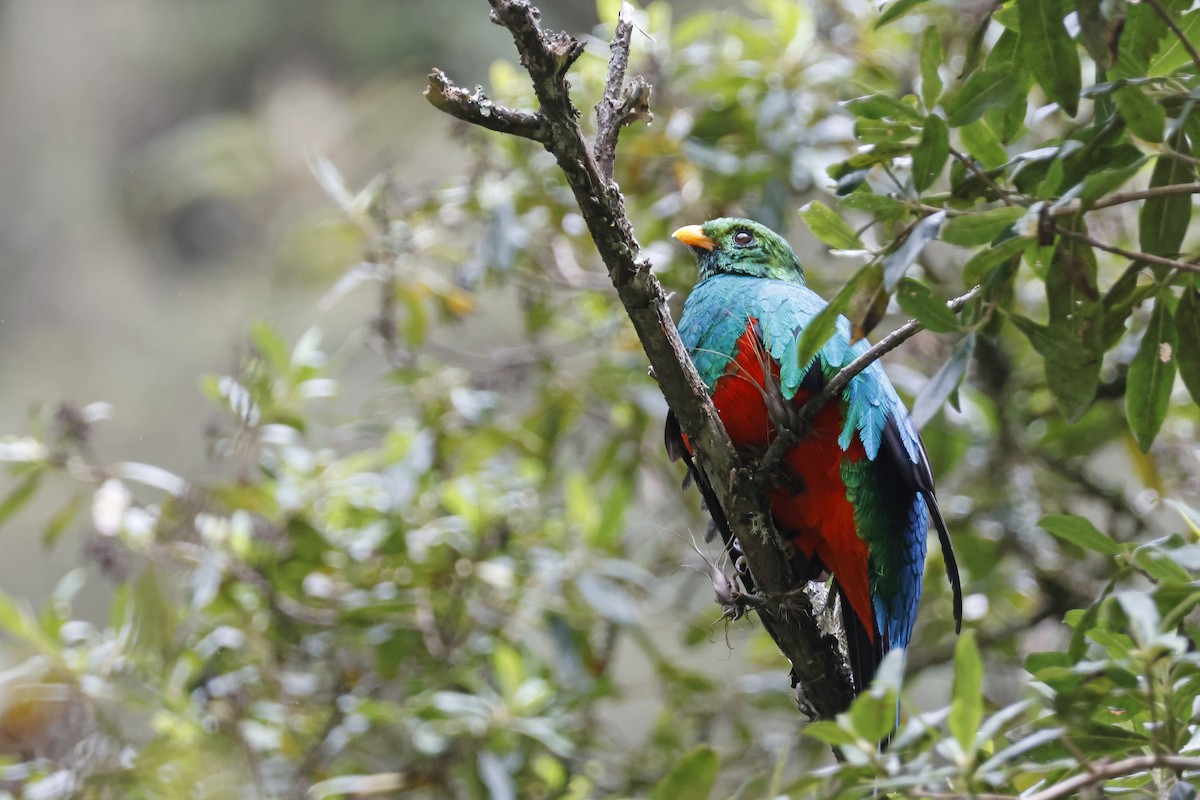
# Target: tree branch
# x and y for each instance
(1133, 255)
(476, 108)
(1070, 209)
(816, 660)
(621, 104)
(1179, 34)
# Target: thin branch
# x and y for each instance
(620, 104)
(1100, 771)
(1132, 255)
(837, 384)
(1116, 769)
(816, 661)
(476, 108)
(970, 164)
(1130, 197)
(1183, 39)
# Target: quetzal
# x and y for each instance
(855, 493)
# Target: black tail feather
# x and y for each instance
(948, 557)
(864, 654)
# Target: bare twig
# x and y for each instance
(620, 104)
(476, 108)
(816, 661)
(1183, 39)
(1133, 255)
(1099, 772)
(970, 164)
(1120, 198)
(838, 383)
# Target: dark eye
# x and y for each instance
(743, 237)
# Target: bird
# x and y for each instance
(854, 494)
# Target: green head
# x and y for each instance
(730, 246)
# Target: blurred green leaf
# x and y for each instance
(1080, 531)
(931, 60)
(878, 106)
(21, 494)
(692, 777)
(896, 10)
(966, 705)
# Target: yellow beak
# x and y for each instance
(693, 236)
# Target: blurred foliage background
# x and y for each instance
(434, 547)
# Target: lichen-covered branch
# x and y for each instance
(621, 104)
(476, 108)
(817, 664)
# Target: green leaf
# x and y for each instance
(358, 785)
(1008, 121)
(1143, 116)
(1151, 376)
(1164, 220)
(1049, 51)
(931, 59)
(830, 732)
(63, 518)
(896, 10)
(1099, 183)
(980, 264)
(980, 141)
(873, 714)
(927, 308)
(972, 230)
(875, 203)
(1187, 325)
(1139, 41)
(827, 226)
(1100, 23)
(879, 106)
(1175, 55)
(1080, 531)
(930, 154)
(20, 495)
(899, 260)
(822, 327)
(509, 669)
(868, 304)
(966, 705)
(993, 87)
(944, 382)
(692, 777)
(1143, 615)
(1072, 370)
